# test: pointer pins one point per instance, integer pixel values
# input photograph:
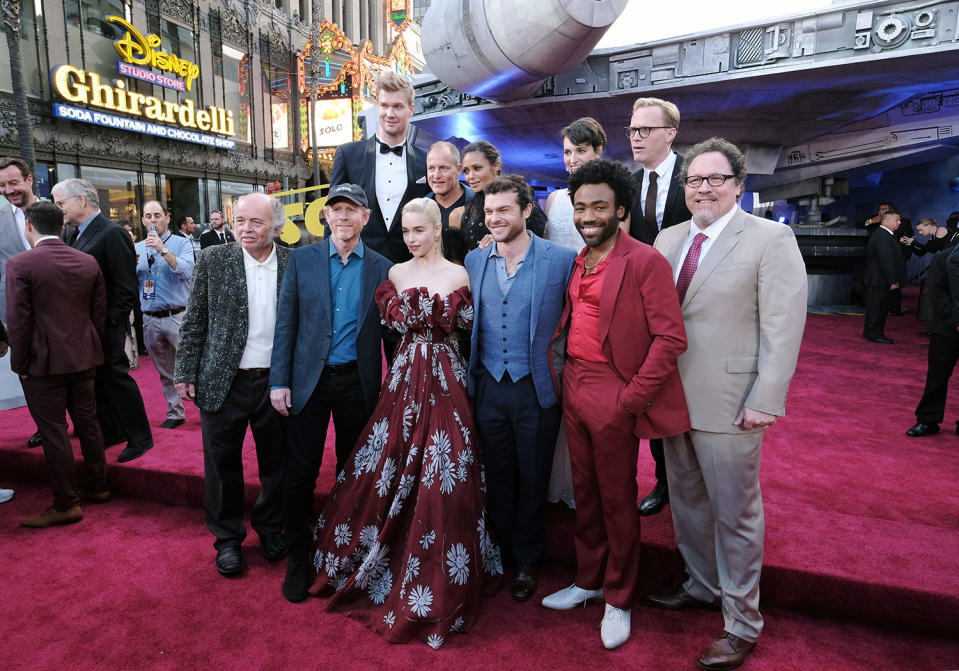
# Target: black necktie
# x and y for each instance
(222, 239)
(73, 237)
(650, 207)
(386, 149)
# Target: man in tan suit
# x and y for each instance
(742, 286)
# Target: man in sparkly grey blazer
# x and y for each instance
(223, 366)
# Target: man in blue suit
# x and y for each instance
(389, 169)
(327, 359)
(519, 285)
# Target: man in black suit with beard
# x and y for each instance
(119, 403)
(217, 235)
(885, 272)
(660, 203)
(389, 169)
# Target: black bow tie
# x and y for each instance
(386, 149)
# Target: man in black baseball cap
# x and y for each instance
(349, 191)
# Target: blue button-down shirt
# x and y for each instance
(499, 263)
(346, 283)
(171, 287)
(86, 224)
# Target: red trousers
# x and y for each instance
(603, 453)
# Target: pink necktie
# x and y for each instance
(690, 263)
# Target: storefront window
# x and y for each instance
(236, 86)
(118, 193)
(96, 42)
(32, 51)
(276, 88)
(230, 191)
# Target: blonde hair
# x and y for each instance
(387, 80)
(428, 208)
(670, 111)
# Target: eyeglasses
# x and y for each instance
(695, 181)
(641, 131)
(59, 203)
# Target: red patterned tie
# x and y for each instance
(690, 264)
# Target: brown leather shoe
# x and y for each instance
(525, 582)
(52, 517)
(726, 652)
(91, 496)
(678, 600)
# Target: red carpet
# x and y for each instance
(862, 525)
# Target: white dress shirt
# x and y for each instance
(21, 225)
(711, 232)
(664, 176)
(261, 296)
(391, 182)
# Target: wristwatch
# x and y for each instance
(164, 251)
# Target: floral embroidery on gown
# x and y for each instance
(402, 543)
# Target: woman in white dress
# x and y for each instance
(583, 141)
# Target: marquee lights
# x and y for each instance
(80, 86)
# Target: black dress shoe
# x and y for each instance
(525, 582)
(678, 600)
(299, 575)
(132, 451)
(35, 440)
(172, 423)
(111, 440)
(229, 561)
(921, 429)
(273, 546)
(881, 340)
(656, 500)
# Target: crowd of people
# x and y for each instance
(522, 346)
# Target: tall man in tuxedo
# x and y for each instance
(742, 286)
(389, 169)
(885, 272)
(660, 203)
(327, 360)
(56, 310)
(119, 403)
(519, 283)
(217, 235)
(223, 366)
(620, 332)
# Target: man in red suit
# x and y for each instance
(56, 311)
(622, 331)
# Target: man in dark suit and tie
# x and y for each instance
(217, 235)
(223, 366)
(389, 169)
(659, 204)
(885, 272)
(56, 310)
(119, 403)
(327, 359)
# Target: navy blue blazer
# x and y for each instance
(304, 325)
(552, 266)
(355, 163)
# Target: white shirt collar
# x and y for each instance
(249, 262)
(713, 230)
(887, 230)
(46, 237)
(665, 169)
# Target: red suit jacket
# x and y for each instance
(642, 335)
(56, 310)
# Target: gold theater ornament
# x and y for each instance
(136, 49)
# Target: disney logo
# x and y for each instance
(137, 49)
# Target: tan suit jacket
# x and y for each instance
(744, 311)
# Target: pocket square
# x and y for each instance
(421, 180)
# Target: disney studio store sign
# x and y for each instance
(107, 102)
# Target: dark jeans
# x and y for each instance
(48, 398)
(119, 403)
(943, 354)
(247, 403)
(517, 438)
(336, 394)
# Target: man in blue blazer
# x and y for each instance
(389, 169)
(327, 359)
(519, 285)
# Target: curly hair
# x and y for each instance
(716, 144)
(613, 174)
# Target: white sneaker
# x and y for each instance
(615, 628)
(571, 597)
(5, 495)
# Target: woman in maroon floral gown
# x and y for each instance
(402, 542)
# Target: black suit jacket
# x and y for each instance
(676, 211)
(885, 265)
(355, 163)
(211, 237)
(112, 247)
(944, 312)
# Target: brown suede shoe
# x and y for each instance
(678, 600)
(52, 517)
(726, 652)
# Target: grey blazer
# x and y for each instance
(214, 330)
